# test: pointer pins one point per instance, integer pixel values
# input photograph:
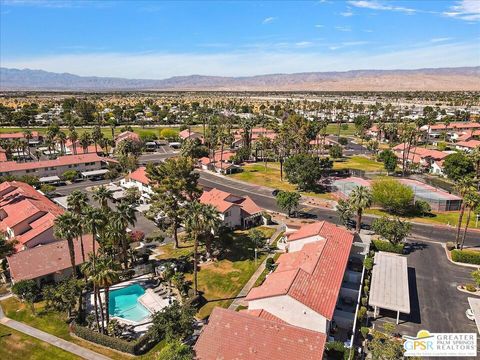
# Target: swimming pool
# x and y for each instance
(123, 303)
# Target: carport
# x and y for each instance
(475, 306)
(49, 179)
(88, 174)
(389, 286)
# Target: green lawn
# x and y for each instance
(333, 129)
(222, 280)
(256, 174)
(359, 163)
(54, 323)
(16, 345)
(107, 132)
(444, 218)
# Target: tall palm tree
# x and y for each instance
(107, 274)
(197, 222)
(85, 141)
(90, 270)
(77, 202)
(472, 201)
(73, 137)
(102, 195)
(463, 187)
(212, 222)
(475, 157)
(360, 198)
(95, 222)
(125, 216)
(65, 229)
(27, 134)
(62, 138)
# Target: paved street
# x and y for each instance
(436, 304)
(264, 198)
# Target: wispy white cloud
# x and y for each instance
(375, 5)
(347, 13)
(343, 28)
(269, 20)
(441, 39)
(347, 44)
(58, 4)
(304, 44)
(319, 26)
(468, 10)
(251, 62)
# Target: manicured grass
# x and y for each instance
(444, 218)
(256, 174)
(54, 323)
(333, 129)
(16, 345)
(107, 132)
(359, 163)
(222, 280)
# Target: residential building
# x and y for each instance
(78, 149)
(438, 130)
(126, 135)
(467, 146)
(255, 134)
(235, 211)
(425, 158)
(256, 335)
(26, 215)
(312, 287)
(48, 263)
(35, 139)
(3, 155)
(138, 179)
(220, 163)
(46, 168)
(188, 134)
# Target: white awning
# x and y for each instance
(389, 286)
(49, 179)
(475, 306)
(94, 172)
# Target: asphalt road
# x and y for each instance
(265, 199)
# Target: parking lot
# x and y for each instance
(436, 304)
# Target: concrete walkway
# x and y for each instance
(52, 340)
(250, 283)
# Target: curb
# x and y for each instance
(473, 266)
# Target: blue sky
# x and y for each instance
(150, 39)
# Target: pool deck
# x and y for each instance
(150, 300)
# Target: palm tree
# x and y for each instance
(62, 137)
(197, 222)
(212, 222)
(95, 223)
(463, 186)
(77, 202)
(471, 201)
(64, 228)
(107, 274)
(85, 141)
(475, 156)
(125, 216)
(27, 134)
(73, 137)
(360, 198)
(90, 271)
(102, 195)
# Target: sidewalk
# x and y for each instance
(250, 283)
(52, 340)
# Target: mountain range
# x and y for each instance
(440, 79)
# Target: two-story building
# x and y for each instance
(138, 179)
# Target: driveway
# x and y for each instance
(436, 304)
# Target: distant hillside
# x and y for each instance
(442, 79)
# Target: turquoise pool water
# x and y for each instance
(123, 303)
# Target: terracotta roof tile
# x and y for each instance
(233, 335)
(9, 166)
(139, 175)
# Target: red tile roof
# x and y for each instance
(314, 278)
(305, 231)
(9, 166)
(263, 314)
(17, 135)
(3, 154)
(46, 259)
(127, 135)
(139, 175)
(223, 201)
(471, 144)
(19, 202)
(456, 125)
(418, 153)
(232, 335)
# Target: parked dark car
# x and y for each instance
(275, 192)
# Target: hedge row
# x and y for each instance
(381, 245)
(466, 256)
(137, 347)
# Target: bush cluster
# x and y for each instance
(387, 246)
(466, 256)
(137, 347)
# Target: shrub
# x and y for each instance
(137, 347)
(392, 196)
(470, 287)
(367, 281)
(368, 263)
(343, 141)
(466, 256)
(365, 289)
(70, 175)
(335, 349)
(270, 264)
(381, 245)
(423, 207)
(364, 301)
(362, 313)
(450, 245)
(365, 331)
